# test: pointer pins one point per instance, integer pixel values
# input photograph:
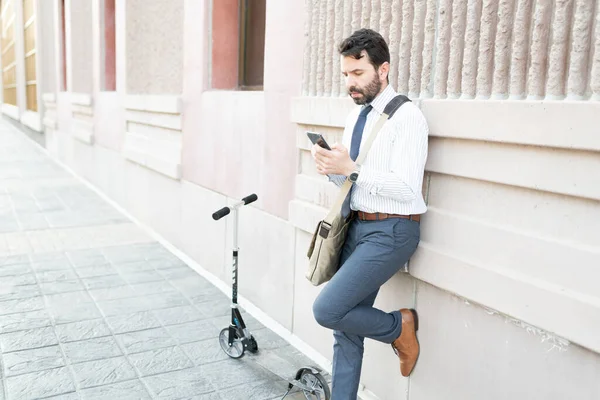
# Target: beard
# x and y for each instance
(369, 92)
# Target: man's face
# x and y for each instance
(363, 82)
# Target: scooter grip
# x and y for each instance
(250, 199)
(221, 213)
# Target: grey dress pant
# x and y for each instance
(373, 252)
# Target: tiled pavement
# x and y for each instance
(93, 308)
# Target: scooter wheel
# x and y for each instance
(316, 381)
(236, 350)
(252, 346)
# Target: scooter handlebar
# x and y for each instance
(217, 215)
(250, 199)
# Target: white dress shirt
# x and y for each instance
(391, 176)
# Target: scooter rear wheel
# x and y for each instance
(236, 350)
(318, 383)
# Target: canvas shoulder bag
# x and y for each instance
(329, 237)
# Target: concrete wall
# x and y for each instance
(504, 276)
(155, 44)
(508, 257)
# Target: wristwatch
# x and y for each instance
(354, 175)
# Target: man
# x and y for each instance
(386, 204)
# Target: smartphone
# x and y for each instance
(317, 138)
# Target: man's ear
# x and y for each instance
(384, 70)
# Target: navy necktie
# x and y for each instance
(357, 133)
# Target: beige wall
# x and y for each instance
(79, 49)
(154, 46)
(513, 204)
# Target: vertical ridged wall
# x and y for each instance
(518, 49)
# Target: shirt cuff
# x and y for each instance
(368, 179)
(337, 179)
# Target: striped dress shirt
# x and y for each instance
(391, 176)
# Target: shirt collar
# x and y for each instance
(383, 99)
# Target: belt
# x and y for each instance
(365, 216)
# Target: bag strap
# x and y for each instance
(388, 112)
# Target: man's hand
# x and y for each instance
(334, 162)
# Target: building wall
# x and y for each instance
(504, 276)
(508, 254)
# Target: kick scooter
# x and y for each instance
(236, 338)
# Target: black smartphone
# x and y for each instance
(317, 138)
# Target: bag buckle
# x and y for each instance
(324, 230)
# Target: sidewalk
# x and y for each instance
(91, 307)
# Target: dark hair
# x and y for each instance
(370, 41)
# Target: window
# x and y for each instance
(9, 77)
(238, 44)
(252, 44)
(29, 26)
(63, 47)
(109, 83)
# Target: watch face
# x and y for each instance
(353, 176)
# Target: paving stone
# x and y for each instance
(268, 340)
(16, 280)
(160, 361)
(82, 330)
(66, 396)
(29, 339)
(24, 321)
(21, 305)
(140, 341)
(101, 282)
(56, 276)
(133, 266)
(142, 276)
(129, 390)
(34, 221)
(112, 293)
(224, 321)
(73, 285)
(52, 265)
(210, 294)
(215, 308)
(167, 300)
(123, 254)
(132, 322)
(103, 372)
(27, 361)
(179, 384)
(95, 271)
(14, 260)
(177, 273)
(40, 384)
(166, 262)
(193, 331)
(17, 292)
(153, 288)
(262, 390)
(15, 270)
(204, 352)
(87, 258)
(124, 306)
(74, 312)
(92, 349)
(58, 299)
(232, 372)
(178, 315)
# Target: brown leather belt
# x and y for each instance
(365, 216)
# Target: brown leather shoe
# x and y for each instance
(406, 346)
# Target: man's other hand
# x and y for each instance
(334, 162)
